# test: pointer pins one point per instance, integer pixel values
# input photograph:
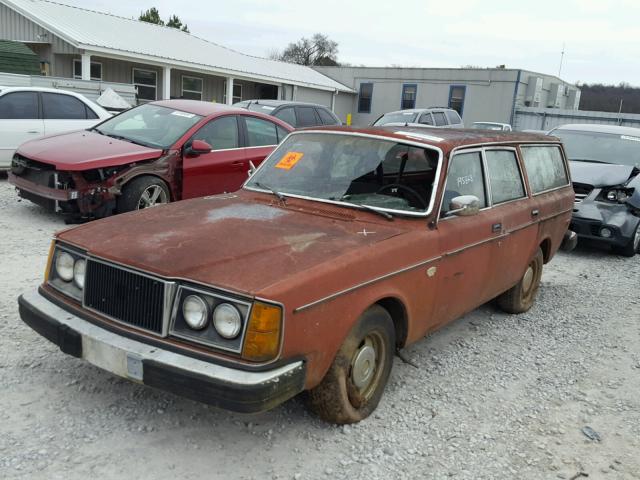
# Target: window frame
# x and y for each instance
(155, 87)
(404, 87)
(79, 77)
(360, 110)
(191, 77)
(233, 97)
(565, 163)
(487, 187)
(298, 109)
(435, 122)
(43, 112)
(239, 130)
(464, 97)
(38, 105)
(245, 131)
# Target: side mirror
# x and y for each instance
(199, 147)
(464, 206)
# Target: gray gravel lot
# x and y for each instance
(494, 396)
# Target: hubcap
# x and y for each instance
(527, 280)
(363, 365)
(152, 196)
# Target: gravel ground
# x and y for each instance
(492, 396)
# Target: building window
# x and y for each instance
(96, 70)
(456, 97)
(191, 88)
(409, 93)
(364, 98)
(147, 83)
(237, 93)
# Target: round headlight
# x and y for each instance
(64, 266)
(194, 311)
(227, 320)
(605, 232)
(79, 270)
(612, 195)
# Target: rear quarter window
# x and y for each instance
(545, 167)
(326, 117)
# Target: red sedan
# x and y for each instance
(152, 154)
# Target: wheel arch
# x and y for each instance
(127, 180)
(545, 246)
(398, 311)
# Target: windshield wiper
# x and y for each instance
(280, 196)
(368, 208)
(587, 160)
(97, 130)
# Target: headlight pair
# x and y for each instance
(69, 268)
(226, 318)
(66, 271)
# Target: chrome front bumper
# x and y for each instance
(219, 385)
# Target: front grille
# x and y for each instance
(582, 191)
(126, 296)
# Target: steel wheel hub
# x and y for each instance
(152, 196)
(527, 280)
(363, 366)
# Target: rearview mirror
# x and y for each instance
(464, 206)
(199, 147)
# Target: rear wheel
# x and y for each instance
(354, 384)
(521, 296)
(631, 248)
(143, 192)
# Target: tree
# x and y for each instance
(152, 15)
(174, 22)
(317, 50)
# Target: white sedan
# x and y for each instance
(30, 112)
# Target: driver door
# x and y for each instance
(224, 169)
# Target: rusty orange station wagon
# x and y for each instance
(343, 247)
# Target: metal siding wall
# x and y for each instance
(530, 118)
(314, 96)
(344, 105)
(14, 26)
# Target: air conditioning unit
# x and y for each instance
(534, 91)
(556, 92)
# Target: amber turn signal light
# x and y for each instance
(49, 260)
(262, 341)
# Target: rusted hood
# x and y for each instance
(237, 242)
(85, 150)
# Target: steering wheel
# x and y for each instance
(412, 193)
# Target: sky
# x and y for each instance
(601, 38)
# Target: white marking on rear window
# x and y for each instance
(267, 107)
(183, 114)
(422, 136)
(627, 137)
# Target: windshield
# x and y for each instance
(396, 117)
(149, 125)
(601, 147)
(351, 169)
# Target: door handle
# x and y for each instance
(237, 163)
(535, 212)
(33, 131)
(496, 227)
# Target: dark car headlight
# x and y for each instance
(617, 194)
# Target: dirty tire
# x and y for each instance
(347, 394)
(132, 197)
(631, 248)
(521, 296)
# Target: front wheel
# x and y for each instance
(631, 248)
(520, 297)
(354, 384)
(143, 192)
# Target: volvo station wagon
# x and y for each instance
(344, 246)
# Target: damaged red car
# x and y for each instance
(152, 154)
(343, 247)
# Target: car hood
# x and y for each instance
(241, 242)
(85, 150)
(600, 174)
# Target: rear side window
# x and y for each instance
(282, 133)
(287, 115)
(56, 106)
(504, 176)
(545, 167)
(426, 119)
(221, 134)
(307, 117)
(453, 116)
(465, 177)
(19, 106)
(260, 132)
(326, 117)
(439, 118)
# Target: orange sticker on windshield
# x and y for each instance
(289, 159)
